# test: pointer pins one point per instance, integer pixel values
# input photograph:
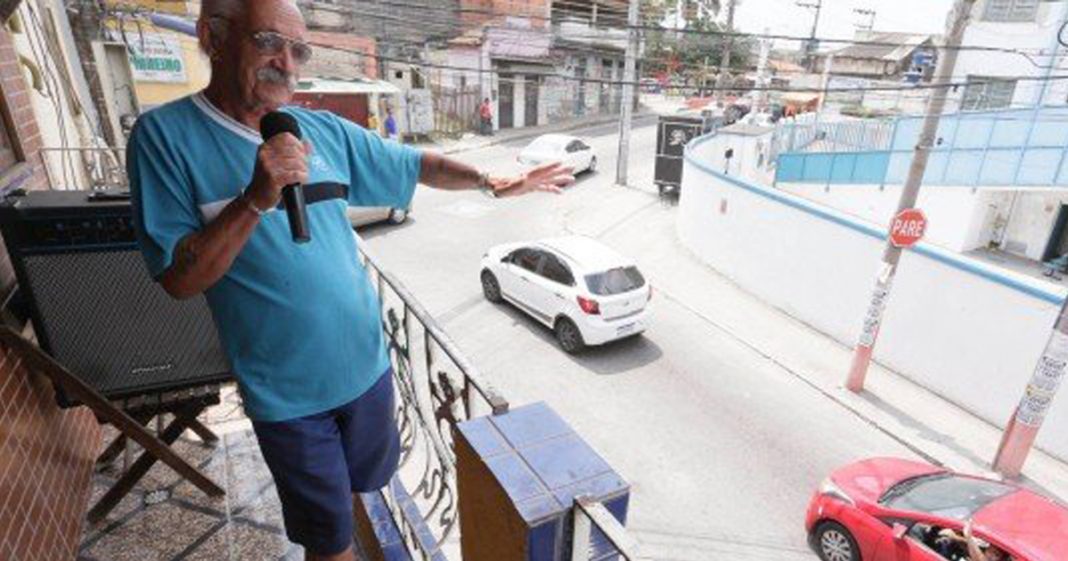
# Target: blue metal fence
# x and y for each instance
(1002, 149)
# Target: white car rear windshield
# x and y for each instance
(615, 281)
(546, 145)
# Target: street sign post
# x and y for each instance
(908, 227)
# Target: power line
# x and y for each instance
(445, 29)
(656, 28)
(911, 87)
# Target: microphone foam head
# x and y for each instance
(278, 122)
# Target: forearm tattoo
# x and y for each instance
(186, 254)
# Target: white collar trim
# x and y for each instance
(213, 113)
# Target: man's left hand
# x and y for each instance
(551, 178)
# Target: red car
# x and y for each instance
(893, 510)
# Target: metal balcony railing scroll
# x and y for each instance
(437, 387)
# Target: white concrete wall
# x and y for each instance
(463, 57)
(965, 330)
(954, 214)
(1032, 222)
(1032, 37)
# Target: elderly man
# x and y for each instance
(300, 322)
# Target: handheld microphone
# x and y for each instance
(272, 124)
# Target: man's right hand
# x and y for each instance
(280, 161)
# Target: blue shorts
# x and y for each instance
(319, 461)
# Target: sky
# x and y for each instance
(784, 17)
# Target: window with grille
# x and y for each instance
(987, 93)
(1010, 10)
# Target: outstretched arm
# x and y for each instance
(446, 173)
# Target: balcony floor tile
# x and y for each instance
(168, 519)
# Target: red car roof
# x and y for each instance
(1029, 524)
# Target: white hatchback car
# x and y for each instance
(586, 292)
(569, 150)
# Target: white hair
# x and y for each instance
(218, 15)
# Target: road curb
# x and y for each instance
(538, 131)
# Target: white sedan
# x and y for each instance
(569, 150)
(360, 216)
(586, 292)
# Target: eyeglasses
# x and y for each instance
(271, 43)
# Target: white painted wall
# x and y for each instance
(1032, 37)
(954, 214)
(1032, 222)
(463, 57)
(959, 218)
(966, 337)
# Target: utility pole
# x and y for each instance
(629, 79)
(958, 20)
(1027, 419)
(725, 58)
(870, 26)
(1023, 427)
(810, 47)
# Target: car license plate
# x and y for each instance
(625, 329)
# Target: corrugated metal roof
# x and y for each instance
(893, 46)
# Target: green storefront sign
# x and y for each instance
(157, 58)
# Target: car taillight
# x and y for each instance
(588, 306)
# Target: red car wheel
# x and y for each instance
(834, 543)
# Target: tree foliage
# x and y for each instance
(689, 57)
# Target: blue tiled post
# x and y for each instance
(519, 474)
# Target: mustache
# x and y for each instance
(275, 76)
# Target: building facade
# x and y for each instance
(1027, 30)
(540, 61)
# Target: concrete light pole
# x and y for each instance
(629, 79)
(962, 10)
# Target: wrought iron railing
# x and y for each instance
(597, 535)
(436, 388)
(86, 168)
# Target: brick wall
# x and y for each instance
(46, 460)
(46, 455)
(25, 136)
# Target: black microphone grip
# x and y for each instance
(297, 211)
(272, 124)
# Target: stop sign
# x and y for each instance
(908, 227)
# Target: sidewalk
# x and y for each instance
(472, 141)
(927, 424)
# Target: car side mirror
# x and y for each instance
(899, 531)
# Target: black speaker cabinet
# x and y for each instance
(94, 307)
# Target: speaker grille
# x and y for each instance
(100, 314)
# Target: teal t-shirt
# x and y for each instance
(300, 323)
